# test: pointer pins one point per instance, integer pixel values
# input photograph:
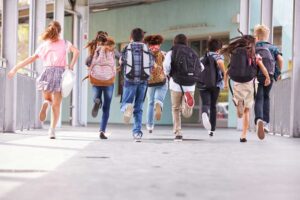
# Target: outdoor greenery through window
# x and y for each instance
(23, 33)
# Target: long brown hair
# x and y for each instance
(244, 41)
(92, 45)
(52, 32)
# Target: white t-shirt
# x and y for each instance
(167, 69)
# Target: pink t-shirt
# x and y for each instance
(53, 53)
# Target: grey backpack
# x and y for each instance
(267, 59)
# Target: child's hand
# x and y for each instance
(11, 73)
(118, 69)
(267, 81)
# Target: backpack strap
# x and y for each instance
(254, 88)
(181, 89)
(231, 91)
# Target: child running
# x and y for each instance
(53, 54)
(243, 71)
(157, 84)
(136, 62)
(102, 71)
(181, 64)
(212, 82)
(272, 59)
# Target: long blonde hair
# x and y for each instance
(52, 32)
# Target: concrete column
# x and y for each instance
(245, 16)
(80, 95)
(59, 15)
(295, 106)
(267, 16)
(38, 27)
(10, 46)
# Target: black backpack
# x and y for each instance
(185, 65)
(209, 74)
(242, 68)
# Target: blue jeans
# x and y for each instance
(262, 102)
(134, 93)
(156, 94)
(107, 94)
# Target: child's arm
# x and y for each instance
(264, 71)
(280, 61)
(222, 68)
(75, 52)
(20, 65)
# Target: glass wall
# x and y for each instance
(23, 33)
(1, 9)
(283, 31)
(255, 14)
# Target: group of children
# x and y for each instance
(149, 72)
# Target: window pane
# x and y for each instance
(23, 33)
(255, 13)
(1, 8)
(283, 31)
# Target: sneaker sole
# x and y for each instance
(128, 114)
(240, 109)
(178, 140)
(137, 140)
(260, 129)
(43, 112)
(157, 112)
(205, 121)
(96, 108)
(189, 99)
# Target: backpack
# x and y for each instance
(209, 73)
(102, 71)
(129, 62)
(242, 68)
(185, 65)
(267, 58)
(157, 77)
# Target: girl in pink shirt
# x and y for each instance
(53, 53)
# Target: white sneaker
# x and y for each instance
(128, 113)
(149, 128)
(51, 133)
(260, 129)
(205, 121)
(266, 127)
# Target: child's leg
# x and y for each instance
(55, 109)
(176, 98)
(206, 103)
(44, 108)
(259, 103)
(150, 108)
(246, 117)
(213, 108)
(266, 112)
(138, 109)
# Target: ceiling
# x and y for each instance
(99, 5)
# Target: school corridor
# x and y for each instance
(78, 165)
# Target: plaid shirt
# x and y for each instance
(137, 57)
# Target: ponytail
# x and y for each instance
(52, 32)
